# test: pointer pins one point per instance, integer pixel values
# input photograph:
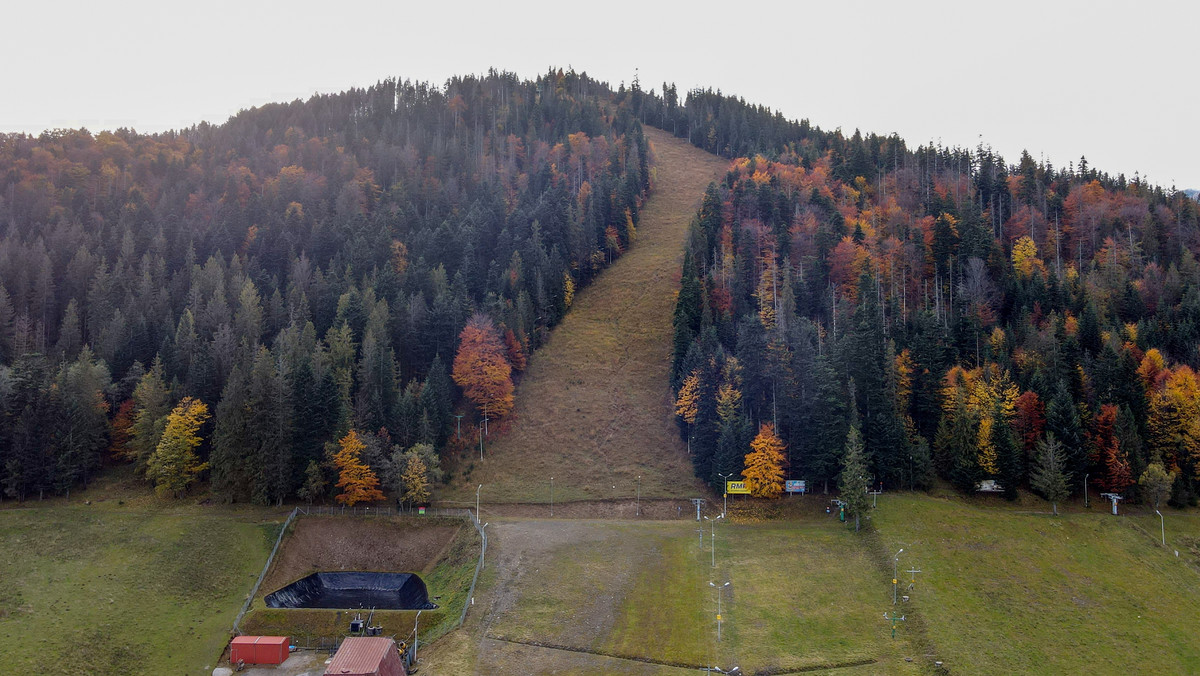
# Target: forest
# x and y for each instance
(968, 319)
(276, 303)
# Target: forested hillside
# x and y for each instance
(227, 301)
(964, 312)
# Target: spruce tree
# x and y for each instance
(853, 480)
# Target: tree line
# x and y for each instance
(301, 271)
(944, 312)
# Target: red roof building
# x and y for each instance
(258, 650)
(363, 656)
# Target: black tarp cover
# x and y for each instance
(387, 591)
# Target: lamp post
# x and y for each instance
(639, 496)
(458, 420)
(895, 572)
(481, 442)
(477, 502)
(725, 493)
(1163, 524)
(720, 588)
(1085, 493)
(416, 623)
(712, 536)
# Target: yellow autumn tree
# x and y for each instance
(568, 290)
(687, 403)
(990, 396)
(415, 480)
(764, 464)
(1025, 258)
(174, 465)
(355, 478)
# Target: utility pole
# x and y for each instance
(551, 496)
(895, 574)
(719, 588)
(639, 496)
(477, 501)
(893, 619)
(712, 536)
(725, 493)
(458, 420)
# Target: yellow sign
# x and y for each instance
(736, 488)
(718, 617)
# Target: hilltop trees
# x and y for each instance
(306, 268)
(974, 308)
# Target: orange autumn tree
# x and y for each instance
(482, 369)
(764, 464)
(357, 481)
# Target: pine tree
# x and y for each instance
(764, 464)
(853, 481)
(174, 465)
(1010, 468)
(151, 407)
(1050, 475)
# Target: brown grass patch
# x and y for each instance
(329, 543)
(594, 407)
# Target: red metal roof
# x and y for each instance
(363, 656)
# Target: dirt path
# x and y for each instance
(594, 410)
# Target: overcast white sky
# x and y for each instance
(1114, 81)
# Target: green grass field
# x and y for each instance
(109, 589)
(1008, 591)
(804, 594)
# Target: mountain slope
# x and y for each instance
(593, 410)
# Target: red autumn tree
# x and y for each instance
(1106, 452)
(482, 369)
(122, 432)
(1030, 420)
(514, 350)
(357, 481)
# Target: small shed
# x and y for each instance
(259, 650)
(363, 656)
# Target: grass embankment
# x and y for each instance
(804, 594)
(593, 409)
(396, 544)
(115, 589)
(1018, 592)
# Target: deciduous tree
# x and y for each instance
(174, 465)
(355, 478)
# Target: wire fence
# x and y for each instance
(478, 566)
(267, 566)
(323, 643)
(342, 510)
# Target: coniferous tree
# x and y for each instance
(1050, 475)
(853, 480)
(151, 406)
